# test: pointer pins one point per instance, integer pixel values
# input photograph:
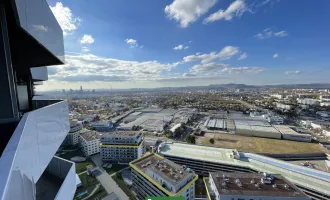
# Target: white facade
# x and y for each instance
(283, 106)
(89, 147)
(30, 150)
(121, 148)
(73, 138)
(308, 101)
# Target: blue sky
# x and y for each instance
(129, 43)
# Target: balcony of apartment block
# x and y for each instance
(58, 181)
(33, 142)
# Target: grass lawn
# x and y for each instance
(81, 166)
(115, 168)
(88, 183)
(258, 145)
(123, 186)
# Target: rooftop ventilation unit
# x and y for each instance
(238, 183)
(286, 186)
(225, 178)
(181, 172)
(252, 181)
(274, 185)
(257, 185)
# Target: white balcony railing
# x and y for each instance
(30, 149)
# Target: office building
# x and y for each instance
(102, 126)
(121, 147)
(249, 186)
(202, 160)
(154, 175)
(89, 142)
(32, 129)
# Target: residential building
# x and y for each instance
(121, 147)
(154, 175)
(249, 186)
(76, 128)
(202, 160)
(102, 126)
(32, 129)
(89, 142)
(314, 102)
(283, 106)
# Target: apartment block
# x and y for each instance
(154, 175)
(32, 126)
(248, 186)
(89, 142)
(121, 147)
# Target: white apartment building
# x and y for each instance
(250, 186)
(283, 106)
(121, 147)
(89, 142)
(154, 175)
(308, 101)
(76, 128)
(33, 127)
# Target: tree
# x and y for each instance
(191, 139)
(212, 140)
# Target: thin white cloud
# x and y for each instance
(281, 34)
(68, 22)
(133, 43)
(180, 47)
(85, 49)
(268, 33)
(188, 75)
(187, 12)
(239, 70)
(207, 67)
(80, 66)
(87, 39)
(242, 56)
(40, 28)
(235, 9)
(292, 72)
(225, 54)
(275, 55)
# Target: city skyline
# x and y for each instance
(175, 43)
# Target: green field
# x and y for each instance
(89, 183)
(258, 145)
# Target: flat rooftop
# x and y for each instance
(164, 168)
(250, 184)
(122, 133)
(91, 135)
(287, 130)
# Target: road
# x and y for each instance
(106, 181)
(92, 193)
(111, 186)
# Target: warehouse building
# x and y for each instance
(121, 147)
(289, 134)
(154, 175)
(216, 124)
(236, 186)
(202, 160)
(256, 129)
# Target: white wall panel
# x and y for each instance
(33, 145)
